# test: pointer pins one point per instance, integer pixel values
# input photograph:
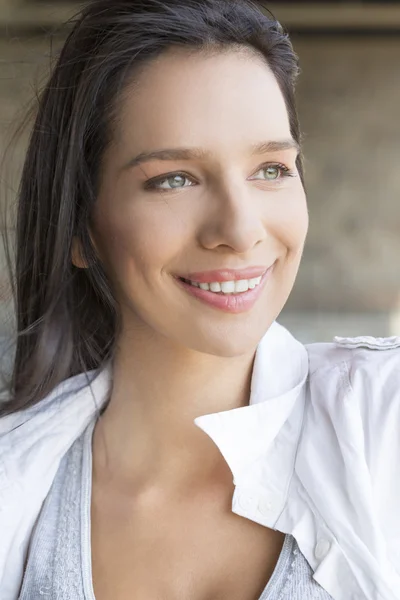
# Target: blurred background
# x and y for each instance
(349, 101)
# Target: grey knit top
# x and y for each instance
(59, 559)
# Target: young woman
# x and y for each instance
(162, 218)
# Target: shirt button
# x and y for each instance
(266, 506)
(321, 549)
(246, 502)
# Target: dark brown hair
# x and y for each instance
(67, 317)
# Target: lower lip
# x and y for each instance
(231, 303)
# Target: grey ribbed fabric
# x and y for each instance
(59, 559)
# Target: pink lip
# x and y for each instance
(227, 275)
(232, 303)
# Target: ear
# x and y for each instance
(76, 254)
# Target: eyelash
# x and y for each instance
(151, 184)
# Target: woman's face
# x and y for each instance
(200, 186)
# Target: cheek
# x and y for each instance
(296, 230)
(290, 221)
(142, 239)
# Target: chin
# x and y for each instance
(227, 342)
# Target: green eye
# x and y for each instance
(271, 173)
(172, 182)
(176, 181)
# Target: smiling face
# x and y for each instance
(200, 190)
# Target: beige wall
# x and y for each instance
(349, 99)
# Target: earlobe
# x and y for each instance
(76, 255)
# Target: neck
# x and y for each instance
(158, 391)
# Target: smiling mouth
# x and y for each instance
(227, 288)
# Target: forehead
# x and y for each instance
(219, 100)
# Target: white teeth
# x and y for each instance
(229, 287)
(215, 287)
(241, 286)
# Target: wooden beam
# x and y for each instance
(354, 15)
(27, 15)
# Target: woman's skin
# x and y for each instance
(162, 525)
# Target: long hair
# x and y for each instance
(67, 318)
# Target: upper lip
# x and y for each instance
(226, 275)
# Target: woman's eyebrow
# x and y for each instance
(276, 146)
(200, 154)
(168, 154)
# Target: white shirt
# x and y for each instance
(315, 454)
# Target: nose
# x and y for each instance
(234, 221)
